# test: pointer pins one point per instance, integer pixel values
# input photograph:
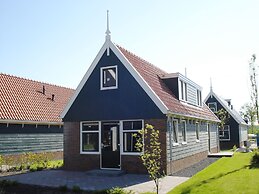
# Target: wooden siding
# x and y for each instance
(193, 147)
(17, 143)
(191, 94)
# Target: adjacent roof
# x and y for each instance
(148, 76)
(229, 109)
(23, 100)
(151, 74)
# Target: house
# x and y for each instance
(235, 129)
(117, 96)
(30, 115)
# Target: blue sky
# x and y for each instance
(56, 41)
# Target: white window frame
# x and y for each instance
(101, 77)
(176, 132)
(81, 136)
(197, 131)
(228, 129)
(183, 122)
(199, 98)
(182, 90)
(215, 105)
(122, 140)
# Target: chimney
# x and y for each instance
(229, 102)
(43, 89)
(52, 97)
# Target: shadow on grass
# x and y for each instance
(189, 188)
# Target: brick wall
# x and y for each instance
(177, 165)
(73, 160)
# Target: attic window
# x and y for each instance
(109, 78)
(213, 106)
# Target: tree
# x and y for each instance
(248, 112)
(223, 117)
(150, 152)
(253, 82)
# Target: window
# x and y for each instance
(213, 106)
(109, 78)
(197, 131)
(89, 137)
(199, 99)
(175, 132)
(130, 128)
(182, 131)
(224, 134)
(183, 90)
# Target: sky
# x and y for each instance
(56, 41)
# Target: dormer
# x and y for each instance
(183, 88)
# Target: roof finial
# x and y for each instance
(108, 32)
(210, 84)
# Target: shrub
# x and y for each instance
(63, 188)
(76, 189)
(117, 190)
(255, 158)
(234, 148)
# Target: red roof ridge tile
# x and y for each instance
(40, 82)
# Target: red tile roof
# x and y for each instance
(22, 99)
(150, 74)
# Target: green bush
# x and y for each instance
(63, 188)
(255, 158)
(234, 148)
(76, 189)
(117, 190)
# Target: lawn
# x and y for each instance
(227, 175)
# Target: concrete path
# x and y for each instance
(56, 178)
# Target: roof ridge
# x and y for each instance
(41, 82)
(145, 61)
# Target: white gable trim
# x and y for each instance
(109, 45)
(222, 104)
(85, 78)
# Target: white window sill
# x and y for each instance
(197, 140)
(175, 144)
(93, 153)
(131, 153)
(184, 143)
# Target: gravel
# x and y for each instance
(192, 170)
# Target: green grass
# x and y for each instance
(228, 175)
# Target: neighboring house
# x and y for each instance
(235, 129)
(30, 115)
(117, 96)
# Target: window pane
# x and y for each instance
(132, 125)
(90, 127)
(175, 131)
(90, 142)
(127, 125)
(197, 130)
(129, 141)
(183, 128)
(137, 125)
(109, 77)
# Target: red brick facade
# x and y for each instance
(73, 160)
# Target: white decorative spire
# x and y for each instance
(108, 32)
(210, 84)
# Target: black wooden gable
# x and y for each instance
(128, 101)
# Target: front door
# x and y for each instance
(110, 145)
